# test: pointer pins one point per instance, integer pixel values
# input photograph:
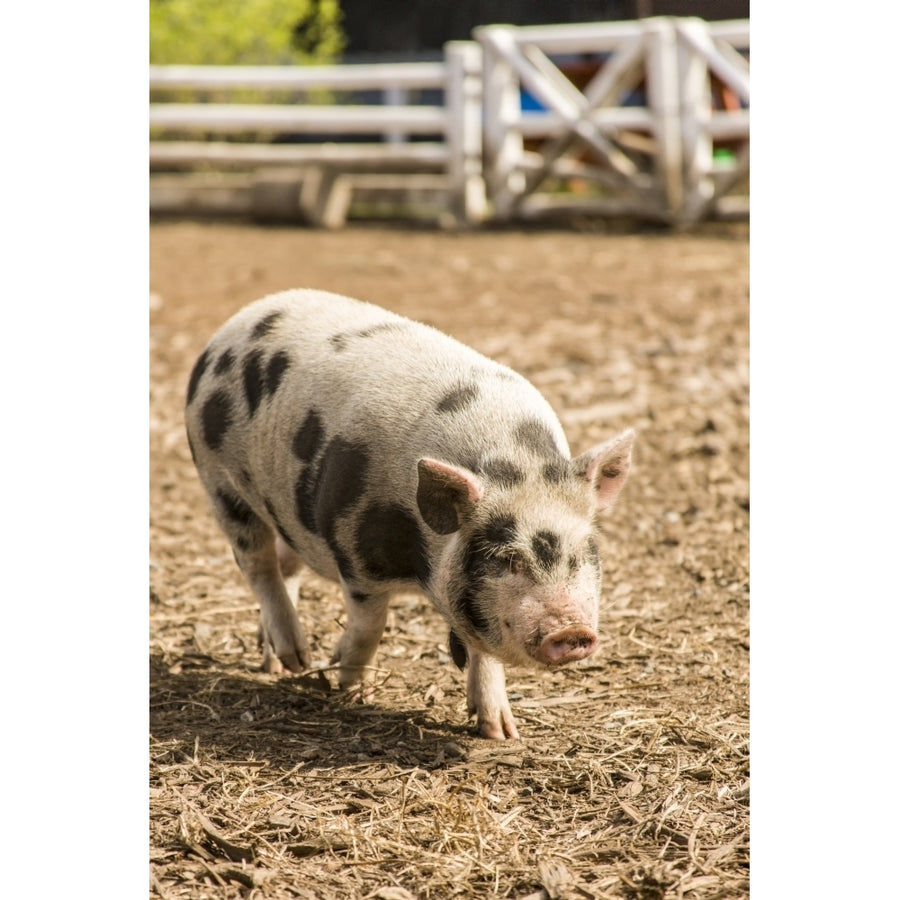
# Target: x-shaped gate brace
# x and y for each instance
(655, 52)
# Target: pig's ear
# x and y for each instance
(605, 466)
(446, 495)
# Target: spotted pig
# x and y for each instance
(388, 457)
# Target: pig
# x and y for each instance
(390, 457)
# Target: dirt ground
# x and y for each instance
(632, 776)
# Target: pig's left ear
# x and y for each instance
(605, 466)
(446, 494)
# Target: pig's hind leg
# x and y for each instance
(281, 635)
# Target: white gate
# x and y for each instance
(672, 154)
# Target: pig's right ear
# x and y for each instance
(446, 495)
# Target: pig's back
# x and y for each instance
(373, 377)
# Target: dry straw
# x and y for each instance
(631, 780)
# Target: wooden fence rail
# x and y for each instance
(647, 118)
(324, 151)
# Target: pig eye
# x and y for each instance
(515, 564)
(507, 563)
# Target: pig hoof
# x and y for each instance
(498, 729)
(271, 663)
(296, 657)
(360, 693)
(278, 665)
(287, 662)
(356, 686)
(295, 661)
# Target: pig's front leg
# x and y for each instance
(366, 618)
(486, 696)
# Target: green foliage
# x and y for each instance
(244, 32)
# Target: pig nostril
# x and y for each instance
(573, 643)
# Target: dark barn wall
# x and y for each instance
(712, 10)
(419, 28)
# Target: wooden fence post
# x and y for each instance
(663, 101)
(696, 110)
(504, 146)
(701, 54)
(463, 101)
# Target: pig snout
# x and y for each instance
(567, 645)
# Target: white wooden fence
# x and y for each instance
(654, 158)
(660, 130)
(326, 170)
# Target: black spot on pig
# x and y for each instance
(345, 567)
(309, 437)
(458, 650)
(341, 480)
(484, 558)
(457, 399)
(270, 509)
(323, 498)
(468, 608)
(537, 437)
(499, 532)
(467, 462)
(390, 543)
(216, 418)
(197, 374)
(275, 370)
(252, 532)
(236, 509)
(557, 471)
(546, 548)
(307, 442)
(253, 380)
(285, 537)
(224, 362)
(379, 328)
(265, 325)
(502, 472)
(260, 382)
(340, 340)
(304, 499)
